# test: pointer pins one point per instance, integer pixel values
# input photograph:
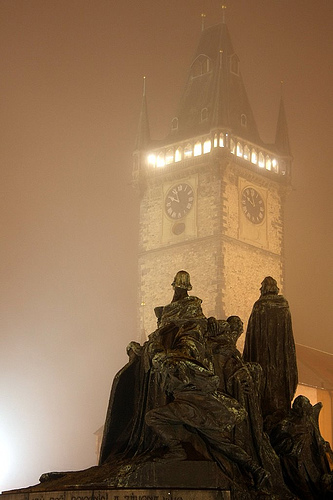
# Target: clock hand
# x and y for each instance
(174, 199)
(249, 200)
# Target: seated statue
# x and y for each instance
(198, 407)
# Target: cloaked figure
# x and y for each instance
(303, 452)
(270, 342)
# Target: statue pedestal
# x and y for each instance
(122, 494)
(187, 480)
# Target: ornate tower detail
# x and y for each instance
(212, 191)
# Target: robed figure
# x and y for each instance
(270, 342)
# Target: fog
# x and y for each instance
(70, 89)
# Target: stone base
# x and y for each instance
(120, 494)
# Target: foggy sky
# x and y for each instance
(70, 90)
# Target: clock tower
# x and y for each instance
(211, 193)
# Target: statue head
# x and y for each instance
(302, 406)
(236, 325)
(182, 280)
(269, 286)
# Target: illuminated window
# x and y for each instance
(160, 160)
(215, 140)
(169, 157)
(234, 64)
(239, 151)
(204, 114)
(197, 149)
(232, 146)
(174, 123)
(152, 160)
(275, 165)
(221, 141)
(261, 161)
(188, 151)
(247, 153)
(268, 163)
(200, 66)
(178, 154)
(207, 146)
(254, 157)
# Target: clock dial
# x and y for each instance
(179, 200)
(253, 205)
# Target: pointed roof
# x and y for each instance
(143, 134)
(214, 94)
(282, 137)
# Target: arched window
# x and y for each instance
(160, 160)
(188, 151)
(244, 120)
(232, 146)
(197, 148)
(178, 154)
(204, 114)
(275, 165)
(254, 156)
(207, 146)
(221, 141)
(234, 65)
(215, 141)
(239, 150)
(261, 161)
(169, 157)
(247, 153)
(268, 163)
(152, 160)
(174, 123)
(200, 66)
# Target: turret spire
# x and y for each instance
(224, 8)
(203, 17)
(143, 135)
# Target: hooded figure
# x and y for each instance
(270, 342)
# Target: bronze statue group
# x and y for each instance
(188, 394)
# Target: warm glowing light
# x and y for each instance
(207, 146)
(239, 151)
(197, 149)
(268, 163)
(261, 161)
(160, 160)
(152, 159)
(178, 155)
(246, 155)
(169, 157)
(188, 151)
(254, 157)
(221, 141)
(215, 141)
(275, 164)
(232, 146)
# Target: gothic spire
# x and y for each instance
(143, 134)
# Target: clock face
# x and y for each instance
(253, 205)
(179, 200)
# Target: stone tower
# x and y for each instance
(212, 193)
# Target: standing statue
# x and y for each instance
(270, 342)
